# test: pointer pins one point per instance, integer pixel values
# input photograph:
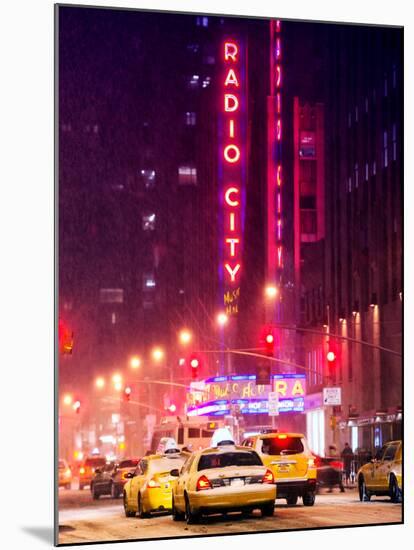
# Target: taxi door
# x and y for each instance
(384, 468)
(136, 483)
(182, 483)
(372, 479)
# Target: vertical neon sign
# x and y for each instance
(232, 169)
(275, 249)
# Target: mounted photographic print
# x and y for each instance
(229, 275)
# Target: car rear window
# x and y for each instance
(95, 462)
(221, 460)
(165, 464)
(282, 446)
(128, 463)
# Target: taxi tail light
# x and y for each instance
(203, 483)
(311, 462)
(153, 483)
(268, 477)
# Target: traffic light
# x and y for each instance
(127, 393)
(270, 344)
(194, 365)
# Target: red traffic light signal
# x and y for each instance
(270, 344)
(195, 365)
(127, 393)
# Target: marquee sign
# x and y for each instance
(231, 165)
(217, 396)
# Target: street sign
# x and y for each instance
(332, 396)
(273, 403)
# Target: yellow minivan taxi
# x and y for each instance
(291, 461)
(383, 475)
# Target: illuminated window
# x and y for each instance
(366, 105)
(349, 184)
(356, 172)
(374, 168)
(366, 171)
(206, 82)
(202, 21)
(385, 150)
(148, 177)
(190, 119)
(148, 281)
(111, 295)
(148, 222)
(187, 175)
(194, 81)
(394, 142)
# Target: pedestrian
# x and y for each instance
(347, 456)
(332, 452)
(334, 474)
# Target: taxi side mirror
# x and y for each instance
(175, 472)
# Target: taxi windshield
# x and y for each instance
(221, 460)
(282, 446)
(165, 464)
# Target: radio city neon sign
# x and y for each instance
(231, 157)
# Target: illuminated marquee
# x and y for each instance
(218, 396)
(231, 170)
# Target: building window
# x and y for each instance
(374, 168)
(356, 171)
(111, 295)
(193, 81)
(349, 184)
(148, 177)
(206, 82)
(394, 76)
(356, 113)
(187, 175)
(209, 59)
(190, 119)
(148, 222)
(308, 222)
(113, 318)
(148, 281)
(349, 119)
(366, 105)
(193, 48)
(394, 142)
(385, 151)
(366, 171)
(385, 87)
(202, 21)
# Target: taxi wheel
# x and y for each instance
(308, 499)
(292, 500)
(127, 511)
(267, 511)
(141, 513)
(176, 515)
(395, 491)
(190, 517)
(364, 494)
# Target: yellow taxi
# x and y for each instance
(65, 474)
(383, 475)
(222, 479)
(148, 487)
(293, 465)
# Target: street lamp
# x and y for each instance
(222, 319)
(185, 336)
(67, 399)
(157, 354)
(135, 362)
(271, 292)
(100, 382)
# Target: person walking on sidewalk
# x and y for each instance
(347, 456)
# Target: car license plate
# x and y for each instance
(283, 468)
(237, 482)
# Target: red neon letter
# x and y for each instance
(231, 128)
(278, 75)
(230, 51)
(232, 272)
(227, 106)
(279, 175)
(279, 129)
(279, 255)
(278, 52)
(227, 198)
(278, 103)
(232, 225)
(233, 243)
(234, 157)
(231, 78)
(278, 25)
(279, 205)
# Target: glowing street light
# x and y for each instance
(116, 378)
(100, 382)
(185, 336)
(118, 386)
(67, 399)
(157, 354)
(222, 319)
(135, 362)
(271, 291)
